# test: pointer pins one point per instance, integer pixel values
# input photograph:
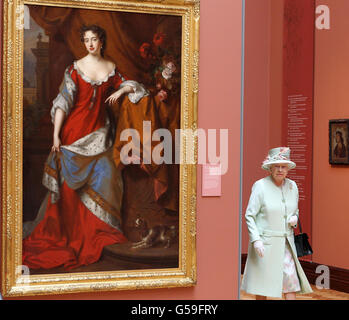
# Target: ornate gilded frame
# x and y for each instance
(13, 283)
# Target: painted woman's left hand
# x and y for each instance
(114, 97)
(117, 94)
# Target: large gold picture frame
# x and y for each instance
(15, 281)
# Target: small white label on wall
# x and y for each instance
(211, 180)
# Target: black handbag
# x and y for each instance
(302, 244)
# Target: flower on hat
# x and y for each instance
(282, 152)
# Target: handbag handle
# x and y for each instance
(299, 225)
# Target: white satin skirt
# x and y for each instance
(290, 279)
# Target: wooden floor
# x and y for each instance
(318, 294)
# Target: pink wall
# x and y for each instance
(330, 187)
(276, 66)
(219, 107)
(263, 91)
(256, 99)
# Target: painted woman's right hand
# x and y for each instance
(56, 144)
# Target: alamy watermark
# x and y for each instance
(22, 275)
(22, 17)
(322, 21)
(323, 280)
(157, 146)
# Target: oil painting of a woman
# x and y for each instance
(81, 213)
(87, 80)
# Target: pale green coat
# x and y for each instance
(268, 211)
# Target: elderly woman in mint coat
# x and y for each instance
(272, 267)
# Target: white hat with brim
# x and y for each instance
(278, 156)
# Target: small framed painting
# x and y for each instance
(338, 141)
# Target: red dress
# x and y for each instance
(70, 234)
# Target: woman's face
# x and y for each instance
(338, 138)
(92, 43)
(279, 172)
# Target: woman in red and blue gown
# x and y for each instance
(81, 212)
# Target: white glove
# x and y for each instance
(259, 247)
(293, 221)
